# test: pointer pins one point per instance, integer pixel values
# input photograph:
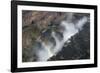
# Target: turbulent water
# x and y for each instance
(49, 49)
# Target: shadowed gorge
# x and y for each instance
(49, 36)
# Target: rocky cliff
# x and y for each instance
(37, 28)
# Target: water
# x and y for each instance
(69, 29)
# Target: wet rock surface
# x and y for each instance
(37, 26)
(78, 48)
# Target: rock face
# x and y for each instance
(77, 48)
(37, 28)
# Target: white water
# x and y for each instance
(70, 29)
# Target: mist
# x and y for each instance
(47, 50)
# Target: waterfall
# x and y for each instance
(69, 29)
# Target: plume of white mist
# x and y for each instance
(70, 29)
(45, 53)
(81, 23)
(59, 44)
